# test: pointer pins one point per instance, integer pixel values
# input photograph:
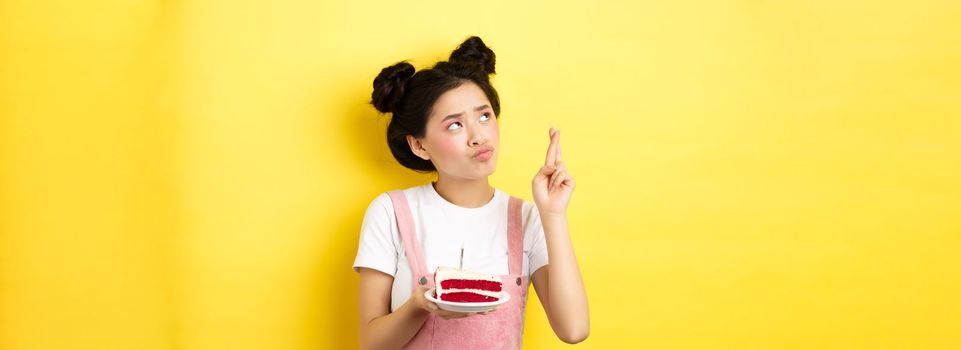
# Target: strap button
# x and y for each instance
(423, 281)
(518, 281)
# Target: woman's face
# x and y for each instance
(461, 138)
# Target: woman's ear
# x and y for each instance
(417, 147)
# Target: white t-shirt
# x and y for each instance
(443, 228)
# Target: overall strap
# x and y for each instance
(515, 236)
(408, 234)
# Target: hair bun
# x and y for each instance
(389, 86)
(474, 51)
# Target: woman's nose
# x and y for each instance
(477, 138)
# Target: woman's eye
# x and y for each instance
(485, 117)
(451, 126)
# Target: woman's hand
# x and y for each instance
(553, 186)
(427, 305)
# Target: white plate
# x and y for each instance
(466, 307)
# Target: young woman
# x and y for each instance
(444, 120)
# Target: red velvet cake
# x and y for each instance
(465, 287)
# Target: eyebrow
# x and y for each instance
(455, 115)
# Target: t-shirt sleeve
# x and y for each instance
(378, 234)
(534, 231)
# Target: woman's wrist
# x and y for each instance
(418, 303)
(552, 216)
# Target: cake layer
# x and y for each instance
(457, 285)
(471, 284)
(475, 291)
(466, 297)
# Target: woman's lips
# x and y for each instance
(484, 155)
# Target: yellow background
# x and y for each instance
(751, 175)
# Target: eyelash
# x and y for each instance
(485, 113)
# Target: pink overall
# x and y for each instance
(501, 329)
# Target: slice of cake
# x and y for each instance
(456, 285)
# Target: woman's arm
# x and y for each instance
(382, 329)
(559, 284)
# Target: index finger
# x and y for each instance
(552, 155)
(557, 143)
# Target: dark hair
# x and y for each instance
(409, 96)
